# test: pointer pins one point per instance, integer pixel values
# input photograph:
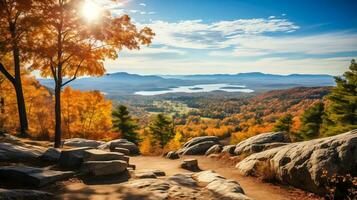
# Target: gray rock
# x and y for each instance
(207, 141)
(197, 140)
(72, 158)
(149, 173)
(302, 164)
(206, 177)
(24, 194)
(81, 142)
(261, 142)
(190, 164)
(199, 148)
(121, 143)
(157, 187)
(184, 180)
(100, 155)
(121, 150)
(102, 168)
(217, 148)
(172, 155)
(51, 154)
(229, 149)
(32, 176)
(12, 152)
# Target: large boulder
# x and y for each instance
(207, 141)
(103, 168)
(184, 180)
(121, 143)
(199, 148)
(72, 158)
(172, 155)
(261, 142)
(229, 149)
(302, 164)
(100, 155)
(51, 155)
(32, 176)
(217, 148)
(13, 152)
(25, 194)
(190, 164)
(81, 142)
(225, 189)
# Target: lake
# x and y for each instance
(199, 88)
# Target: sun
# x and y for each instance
(90, 10)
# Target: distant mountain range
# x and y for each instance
(123, 83)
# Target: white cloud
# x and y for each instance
(134, 11)
(142, 4)
(271, 17)
(142, 13)
(151, 13)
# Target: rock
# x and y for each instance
(72, 158)
(190, 164)
(133, 167)
(229, 149)
(212, 140)
(206, 177)
(126, 159)
(51, 154)
(32, 176)
(102, 168)
(261, 142)
(121, 143)
(100, 155)
(81, 142)
(217, 148)
(12, 152)
(24, 194)
(121, 150)
(213, 156)
(302, 164)
(148, 174)
(158, 188)
(172, 155)
(184, 180)
(199, 149)
(227, 189)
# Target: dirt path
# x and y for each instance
(111, 189)
(253, 187)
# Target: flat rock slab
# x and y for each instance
(149, 173)
(190, 164)
(81, 142)
(72, 158)
(32, 176)
(51, 154)
(25, 194)
(11, 152)
(121, 150)
(100, 155)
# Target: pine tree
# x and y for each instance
(284, 123)
(341, 110)
(311, 121)
(162, 129)
(123, 122)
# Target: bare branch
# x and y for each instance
(7, 74)
(75, 74)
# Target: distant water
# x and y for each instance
(199, 88)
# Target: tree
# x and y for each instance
(284, 123)
(162, 129)
(17, 19)
(123, 122)
(341, 108)
(70, 46)
(311, 121)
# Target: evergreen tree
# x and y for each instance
(162, 129)
(311, 121)
(123, 122)
(284, 123)
(341, 110)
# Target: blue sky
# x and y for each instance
(232, 36)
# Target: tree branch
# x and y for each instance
(7, 74)
(74, 76)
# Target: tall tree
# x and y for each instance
(162, 129)
(17, 20)
(284, 123)
(71, 46)
(341, 108)
(123, 122)
(311, 121)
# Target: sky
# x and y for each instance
(235, 36)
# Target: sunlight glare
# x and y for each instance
(90, 10)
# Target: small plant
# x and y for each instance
(340, 187)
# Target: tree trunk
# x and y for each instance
(58, 131)
(21, 109)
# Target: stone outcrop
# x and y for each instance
(32, 176)
(302, 164)
(190, 164)
(121, 150)
(100, 155)
(217, 148)
(229, 149)
(51, 155)
(198, 145)
(121, 143)
(72, 158)
(81, 142)
(261, 142)
(25, 194)
(102, 168)
(172, 155)
(13, 152)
